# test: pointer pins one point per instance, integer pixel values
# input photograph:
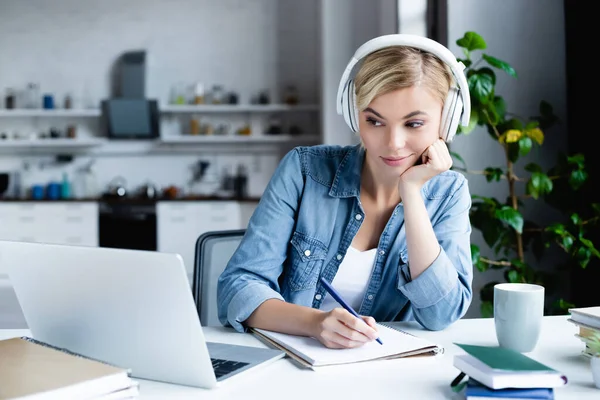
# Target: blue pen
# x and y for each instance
(339, 299)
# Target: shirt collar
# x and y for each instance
(347, 177)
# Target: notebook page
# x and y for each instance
(394, 343)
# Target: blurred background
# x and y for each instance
(140, 124)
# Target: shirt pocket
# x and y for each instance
(307, 257)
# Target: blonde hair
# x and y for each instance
(398, 67)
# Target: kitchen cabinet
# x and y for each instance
(179, 224)
(71, 223)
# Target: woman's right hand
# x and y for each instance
(339, 329)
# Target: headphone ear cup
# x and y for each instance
(455, 117)
(449, 123)
(346, 111)
(352, 106)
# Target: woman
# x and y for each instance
(385, 221)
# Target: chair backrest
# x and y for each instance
(213, 251)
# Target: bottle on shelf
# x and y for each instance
(199, 93)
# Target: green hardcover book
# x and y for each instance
(499, 368)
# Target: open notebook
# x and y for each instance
(310, 353)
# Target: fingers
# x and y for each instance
(341, 329)
(337, 341)
(370, 321)
(439, 156)
(354, 325)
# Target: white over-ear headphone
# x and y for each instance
(457, 106)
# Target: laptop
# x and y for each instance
(130, 308)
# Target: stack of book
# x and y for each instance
(31, 369)
(588, 321)
(491, 372)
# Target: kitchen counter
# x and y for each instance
(137, 200)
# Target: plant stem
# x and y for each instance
(514, 202)
(492, 262)
(511, 178)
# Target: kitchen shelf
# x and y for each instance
(92, 112)
(52, 143)
(241, 139)
(167, 109)
(236, 108)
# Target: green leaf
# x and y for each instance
(513, 276)
(493, 174)
(590, 246)
(577, 179)
(504, 66)
(487, 309)
(472, 41)
(513, 152)
(473, 121)
(500, 106)
(531, 125)
(538, 184)
(583, 256)
(481, 85)
(525, 144)
(567, 242)
(563, 305)
(577, 159)
(575, 219)
(511, 216)
(558, 229)
(533, 167)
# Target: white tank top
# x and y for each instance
(351, 279)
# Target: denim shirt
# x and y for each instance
(305, 222)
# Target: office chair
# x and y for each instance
(213, 251)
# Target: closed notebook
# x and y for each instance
(588, 316)
(476, 391)
(310, 353)
(30, 370)
(500, 368)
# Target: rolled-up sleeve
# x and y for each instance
(442, 293)
(251, 275)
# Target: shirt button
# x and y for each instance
(339, 257)
(370, 297)
(318, 297)
(381, 252)
(307, 253)
(358, 217)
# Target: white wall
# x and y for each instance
(69, 46)
(530, 36)
(346, 25)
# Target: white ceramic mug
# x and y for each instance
(518, 313)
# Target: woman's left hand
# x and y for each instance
(434, 160)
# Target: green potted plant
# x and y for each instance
(515, 242)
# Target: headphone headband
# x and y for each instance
(419, 42)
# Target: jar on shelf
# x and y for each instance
(178, 95)
(290, 95)
(195, 125)
(10, 100)
(199, 93)
(217, 94)
(33, 96)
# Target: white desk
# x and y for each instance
(425, 378)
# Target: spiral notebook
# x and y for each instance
(31, 368)
(310, 353)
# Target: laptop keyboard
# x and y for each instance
(223, 367)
